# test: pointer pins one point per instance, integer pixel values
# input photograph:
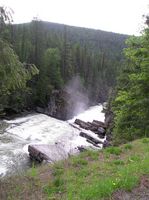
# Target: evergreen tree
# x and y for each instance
(13, 74)
(52, 64)
(132, 100)
(67, 67)
(59, 52)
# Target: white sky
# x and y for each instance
(121, 16)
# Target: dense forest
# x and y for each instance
(57, 53)
(53, 69)
(130, 101)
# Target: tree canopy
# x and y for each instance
(130, 106)
(59, 52)
(13, 74)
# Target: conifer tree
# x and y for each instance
(130, 106)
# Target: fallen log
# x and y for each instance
(94, 140)
(90, 141)
(95, 126)
(99, 123)
(74, 126)
(82, 124)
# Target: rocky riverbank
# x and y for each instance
(105, 174)
(40, 129)
(94, 133)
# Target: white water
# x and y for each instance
(40, 129)
(93, 113)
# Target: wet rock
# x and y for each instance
(101, 130)
(56, 106)
(99, 123)
(93, 143)
(74, 126)
(90, 138)
(82, 124)
(101, 136)
(106, 144)
(3, 126)
(40, 110)
(49, 153)
(96, 126)
(93, 127)
(81, 148)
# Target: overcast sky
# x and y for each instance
(121, 16)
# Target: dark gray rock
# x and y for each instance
(101, 130)
(99, 123)
(81, 148)
(106, 144)
(82, 124)
(49, 153)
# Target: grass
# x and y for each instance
(33, 172)
(145, 140)
(92, 175)
(114, 150)
(128, 146)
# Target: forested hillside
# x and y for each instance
(60, 53)
(131, 100)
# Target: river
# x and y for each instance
(17, 134)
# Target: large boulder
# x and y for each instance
(50, 153)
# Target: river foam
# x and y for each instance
(40, 129)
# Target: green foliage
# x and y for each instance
(76, 161)
(118, 162)
(145, 140)
(58, 182)
(128, 146)
(94, 181)
(131, 116)
(33, 171)
(58, 170)
(114, 150)
(52, 66)
(99, 179)
(5, 18)
(134, 158)
(13, 74)
(94, 155)
(59, 52)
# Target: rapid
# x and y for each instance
(17, 134)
